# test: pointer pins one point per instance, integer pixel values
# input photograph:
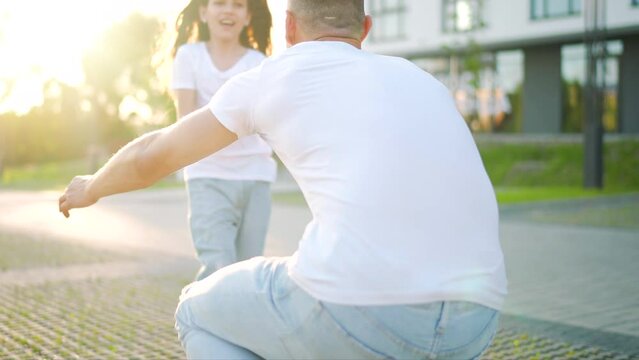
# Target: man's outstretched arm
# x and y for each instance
(149, 158)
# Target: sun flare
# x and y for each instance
(44, 39)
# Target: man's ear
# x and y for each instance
(291, 28)
(368, 24)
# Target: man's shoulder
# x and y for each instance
(256, 54)
(253, 57)
(395, 65)
(393, 60)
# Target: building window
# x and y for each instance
(462, 15)
(389, 18)
(573, 73)
(544, 9)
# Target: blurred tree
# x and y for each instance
(3, 144)
(472, 64)
(515, 124)
(573, 106)
(53, 131)
(119, 67)
(92, 119)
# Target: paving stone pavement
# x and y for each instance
(573, 289)
(576, 275)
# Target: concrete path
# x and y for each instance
(152, 220)
(579, 276)
(571, 281)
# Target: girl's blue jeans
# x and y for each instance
(228, 220)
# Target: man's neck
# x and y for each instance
(355, 42)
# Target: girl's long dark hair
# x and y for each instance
(256, 35)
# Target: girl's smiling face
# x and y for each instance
(226, 18)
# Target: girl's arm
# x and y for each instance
(185, 101)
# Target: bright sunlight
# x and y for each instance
(43, 39)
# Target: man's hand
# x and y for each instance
(149, 158)
(76, 195)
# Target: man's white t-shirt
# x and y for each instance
(248, 158)
(403, 210)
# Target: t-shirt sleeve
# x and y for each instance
(183, 70)
(234, 102)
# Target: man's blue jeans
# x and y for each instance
(252, 310)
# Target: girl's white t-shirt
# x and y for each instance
(249, 158)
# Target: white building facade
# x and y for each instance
(517, 65)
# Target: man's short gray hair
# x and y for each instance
(346, 16)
